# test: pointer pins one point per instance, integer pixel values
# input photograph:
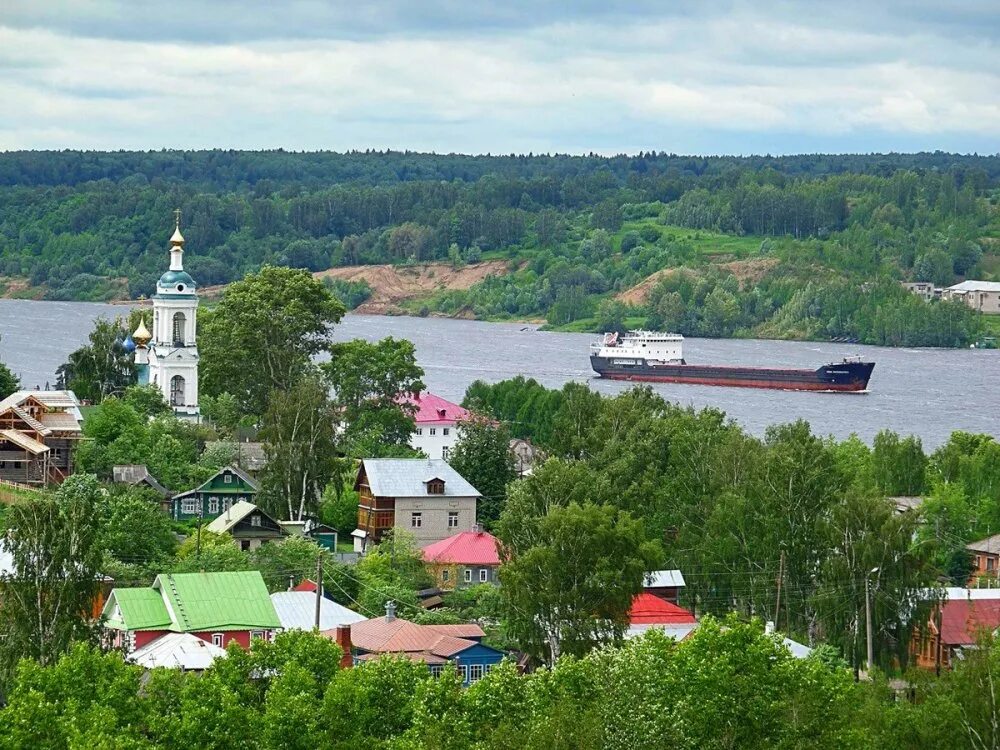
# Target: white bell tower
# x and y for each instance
(173, 353)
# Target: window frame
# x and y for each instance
(484, 575)
(468, 575)
(218, 639)
(433, 431)
(416, 519)
(452, 516)
(473, 670)
(189, 506)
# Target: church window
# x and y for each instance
(179, 321)
(177, 391)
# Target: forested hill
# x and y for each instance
(809, 246)
(236, 170)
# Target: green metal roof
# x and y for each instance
(176, 277)
(218, 601)
(137, 609)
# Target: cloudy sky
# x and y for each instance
(509, 75)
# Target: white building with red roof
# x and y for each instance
(437, 421)
(465, 559)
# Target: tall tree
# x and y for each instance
(300, 442)
(9, 382)
(101, 368)
(368, 381)
(278, 319)
(46, 602)
(482, 455)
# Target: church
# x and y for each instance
(168, 357)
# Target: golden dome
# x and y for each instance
(141, 336)
(177, 238)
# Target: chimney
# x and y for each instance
(342, 636)
(291, 582)
(390, 611)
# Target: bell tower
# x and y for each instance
(173, 350)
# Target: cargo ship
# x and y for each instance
(658, 357)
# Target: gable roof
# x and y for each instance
(192, 602)
(649, 609)
(989, 545)
(666, 579)
(204, 486)
(976, 286)
(24, 442)
(431, 408)
(177, 651)
(465, 548)
(225, 522)
(407, 477)
(963, 619)
(297, 611)
(56, 400)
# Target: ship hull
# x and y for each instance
(844, 377)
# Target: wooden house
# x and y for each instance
(248, 525)
(38, 431)
(426, 497)
(217, 495)
(468, 558)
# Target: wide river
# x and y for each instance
(926, 392)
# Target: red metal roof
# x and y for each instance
(431, 408)
(962, 619)
(465, 548)
(650, 609)
(306, 585)
(402, 636)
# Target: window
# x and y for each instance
(213, 505)
(468, 575)
(416, 520)
(189, 506)
(435, 487)
(445, 575)
(475, 673)
(433, 431)
(217, 639)
(487, 668)
(255, 520)
(256, 635)
(420, 431)
(228, 479)
(177, 391)
(452, 519)
(436, 670)
(484, 575)
(463, 670)
(445, 431)
(179, 321)
(990, 563)
(227, 504)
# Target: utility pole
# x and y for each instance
(937, 656)
(868, 621)
(201, 517)
(319, 587)
(781, 576)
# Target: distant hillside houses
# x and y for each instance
(981, 296)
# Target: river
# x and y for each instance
(925, 392)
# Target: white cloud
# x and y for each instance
(596, 82)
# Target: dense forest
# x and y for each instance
(807, 246)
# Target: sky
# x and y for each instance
(505, 76)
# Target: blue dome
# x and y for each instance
(128, 345)
(172, 279)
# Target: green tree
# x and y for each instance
(482, 455)
(147, 400)
(101, 368)
(8, 381)
(368, 381)
(279, 319)
(47, 602)
(572, 588)
(300, 443)
(133, 529)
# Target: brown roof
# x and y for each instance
(402, 636)
(60, 420)
(989, 545)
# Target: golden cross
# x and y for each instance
(177, 218)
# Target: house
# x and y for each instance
(955, 625)
(137, 475)
(906, 503)
(38, 431)
(465, 559)
(666, 584)
(223, 490)
(433, 645)
(982, 296)
(219, 608)
(651, 612)
(424, 496)
(249, 456)
(248, 525)
(923, 289)
(297, 611)
(177, 651)
(985, 557)
(437, 423)
(526, 456)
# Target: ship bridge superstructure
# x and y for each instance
(651, 346)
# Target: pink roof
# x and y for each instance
(465, 548)
(306, 585)
(431, 408)
(961, 620)
(650, 609)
